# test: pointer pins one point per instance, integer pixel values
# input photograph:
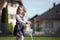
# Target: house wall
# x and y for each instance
(42, 24)
(56, 25)
(50, 26)
(12, 13)
(2, 2)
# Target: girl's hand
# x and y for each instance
(28, 22)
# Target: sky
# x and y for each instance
(34, 7)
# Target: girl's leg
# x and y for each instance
(22, 37)
(17, 37)
(22, 33)
(31, 36)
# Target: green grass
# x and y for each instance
(28, 38)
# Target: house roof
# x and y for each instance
(2, 3)
(18, 0)
(14, 0)
(53, 13)
(33, 17)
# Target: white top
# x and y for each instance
(20, 20)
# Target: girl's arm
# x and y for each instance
(27, 22)
(19, 19)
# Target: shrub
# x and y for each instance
(10, 27)
(38, 28)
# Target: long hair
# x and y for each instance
(23, 9)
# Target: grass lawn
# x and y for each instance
(28, 38)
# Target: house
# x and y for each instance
(51, 20)
(12, 7)
(36, 22)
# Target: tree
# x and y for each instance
(10, 27)
(4, 19)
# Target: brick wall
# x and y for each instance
(2, 3)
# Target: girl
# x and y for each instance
(20, 22)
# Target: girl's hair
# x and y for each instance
(18, 9)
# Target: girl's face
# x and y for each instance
(21, 11)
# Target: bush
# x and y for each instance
(10, 27)
(25, 26)
(38, 28)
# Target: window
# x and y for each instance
(58, 11)
(11, 16)
(49, 24)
